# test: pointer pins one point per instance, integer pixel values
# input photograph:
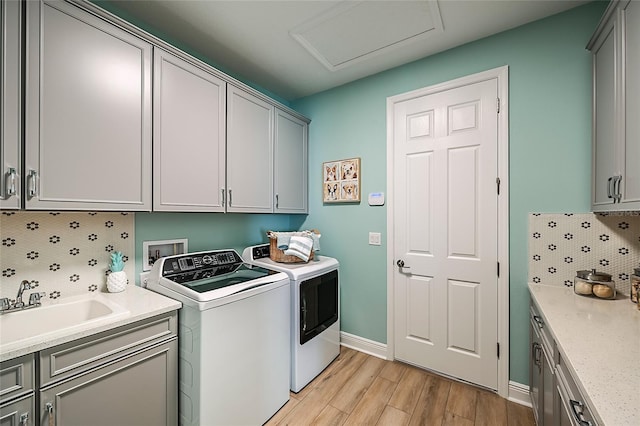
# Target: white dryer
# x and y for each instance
(315, 311)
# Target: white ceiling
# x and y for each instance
(298, 48)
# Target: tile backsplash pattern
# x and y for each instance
(561, 244)
(63, 254)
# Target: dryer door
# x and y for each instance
(318, 305)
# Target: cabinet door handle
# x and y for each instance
(617, 195)
(49, 407)
(277, 202)
(538, 321)
(24, 419)
(610, 188)
(223, 195)
(32, 180)
(578, 415)
(230, 198)
(10, 184)
(537, 358)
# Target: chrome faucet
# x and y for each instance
(24, 285)
(7, 305)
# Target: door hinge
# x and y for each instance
(498, 349)
(498, 269)
(498, 185)
(498, 105)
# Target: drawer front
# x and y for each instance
(60, 362)
(16, 377)
(541, 325)
(577, 406)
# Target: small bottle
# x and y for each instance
(635, 286)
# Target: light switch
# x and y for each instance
(375, 238)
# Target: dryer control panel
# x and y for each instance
(260, 252)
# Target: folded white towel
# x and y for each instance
(283, 240)
(300, 247)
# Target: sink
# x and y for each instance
(57, 317)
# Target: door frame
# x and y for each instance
(502, 75)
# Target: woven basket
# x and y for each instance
(278, 255)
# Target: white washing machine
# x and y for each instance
(234, 330)
(315, 311)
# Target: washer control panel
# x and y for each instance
(194, 261)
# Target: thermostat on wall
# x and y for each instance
(376, 198)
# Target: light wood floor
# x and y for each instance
(361, 389)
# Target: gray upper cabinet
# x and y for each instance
(291, 164)
(249, 152)
(10, 104)
(88, 112)
(616, 106)
(188, 136)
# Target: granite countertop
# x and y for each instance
(137, 304)
(600, 342)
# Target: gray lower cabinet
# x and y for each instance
(125, 376)
(571, 404)
(18, 412)
(137, 390)
(542, 377)
(17, 384)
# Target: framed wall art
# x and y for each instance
(341, 181)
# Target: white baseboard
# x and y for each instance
(519, 393)
(361, 344)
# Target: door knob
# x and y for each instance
(400, 263)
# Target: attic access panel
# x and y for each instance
(354, 31)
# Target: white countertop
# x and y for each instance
(600, 342)
(137, 303)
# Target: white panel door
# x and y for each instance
(189, 136)
(446, 235)
(249, 153)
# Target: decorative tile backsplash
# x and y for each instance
(561, 244)
(63, 254)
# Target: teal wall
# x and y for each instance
(209, 230)
(549, 155)
(550, 134)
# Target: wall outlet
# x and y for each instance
(375, 238)
(144, 279)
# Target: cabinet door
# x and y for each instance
(88, 112)
(10, 104)
(630, 184)
(18, 413)
(604, 132)
(535, 372)
(139, 390)
(188, 136)
(290, 168)
(249, 153)
(548, 389)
